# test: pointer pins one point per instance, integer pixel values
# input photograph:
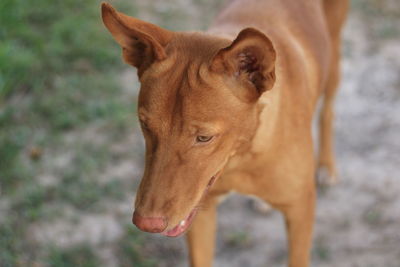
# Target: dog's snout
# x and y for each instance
(149, 224)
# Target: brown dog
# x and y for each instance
(231, 109)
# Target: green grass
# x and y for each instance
(321, 250)
(383, 17)
(49, 37)
(11, 144)
(373, 216)
(59, 75)
(238, 239)
(58, 72)
(130, 250)
(10, 243)
(82, 256)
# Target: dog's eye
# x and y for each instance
(203, 139)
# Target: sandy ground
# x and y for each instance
(358, 220)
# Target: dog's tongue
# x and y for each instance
(182, 225)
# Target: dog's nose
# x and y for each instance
(149, 224)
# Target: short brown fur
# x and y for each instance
(251, 82)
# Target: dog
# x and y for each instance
(231, 109)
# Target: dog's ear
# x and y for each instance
(251, 60)
(142, 42)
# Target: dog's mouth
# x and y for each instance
(184, 224)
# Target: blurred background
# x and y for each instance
(71, 153)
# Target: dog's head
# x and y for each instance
(197, 107)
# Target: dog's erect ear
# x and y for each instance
(142, 42)
(250, 59)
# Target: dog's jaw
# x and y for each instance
(184, 224)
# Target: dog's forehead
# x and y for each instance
(181, 93)
(188, 88)
(183, 85)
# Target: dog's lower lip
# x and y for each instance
(183, 225)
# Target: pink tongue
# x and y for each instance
(182, 226)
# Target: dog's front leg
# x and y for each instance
(299, 219)
(201, 236)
